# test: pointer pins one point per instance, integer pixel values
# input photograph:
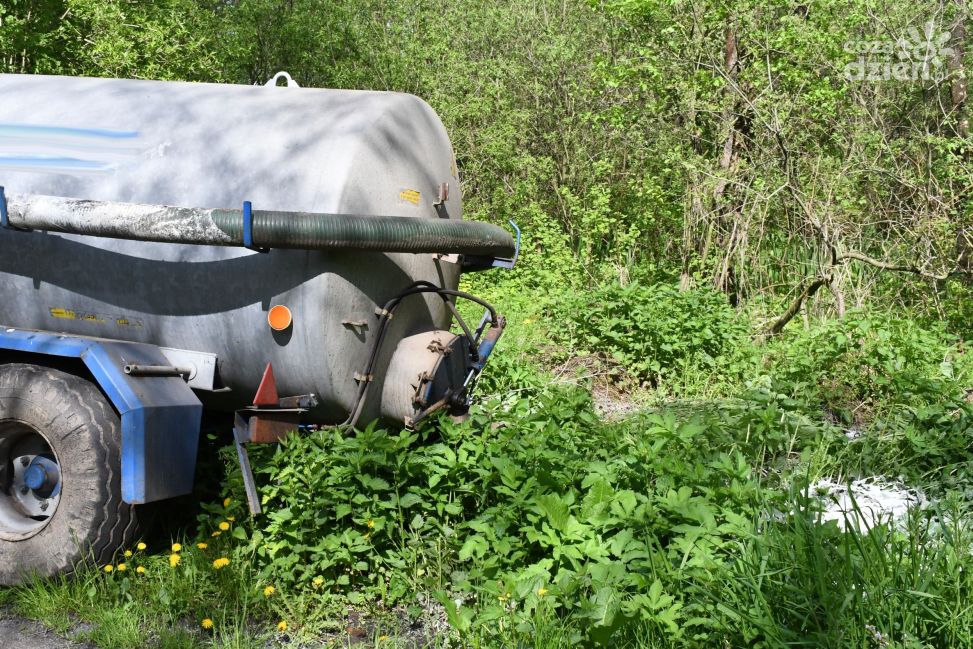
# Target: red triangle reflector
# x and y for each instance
(267, 392)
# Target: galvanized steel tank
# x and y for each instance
(208, 145)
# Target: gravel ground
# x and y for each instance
(18, 633)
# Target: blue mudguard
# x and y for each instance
(160, 414)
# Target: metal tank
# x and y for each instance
(110, 142)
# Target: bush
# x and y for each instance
(859, 366)
(657, 331)
(532, 514)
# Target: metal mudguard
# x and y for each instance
(160, 414)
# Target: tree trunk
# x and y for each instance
(957, 71)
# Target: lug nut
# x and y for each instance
(24, 461)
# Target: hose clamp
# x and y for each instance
(4, 218)
(248, 229)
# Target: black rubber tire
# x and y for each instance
(91, 522)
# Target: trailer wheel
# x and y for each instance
(60, 474)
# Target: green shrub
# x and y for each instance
(533, 513)
(657, 331)
(859, 366)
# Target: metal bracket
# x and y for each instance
(248, 229)
(249, 484)
(266, 425)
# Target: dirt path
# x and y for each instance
(18, 633)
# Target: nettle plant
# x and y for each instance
(532, 513)
(866, 363)
(656, 331)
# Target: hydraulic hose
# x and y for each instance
(269, 229)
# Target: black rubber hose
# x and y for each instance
(311, 231)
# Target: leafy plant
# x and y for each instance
(657, 332)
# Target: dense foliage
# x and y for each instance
(731, 146)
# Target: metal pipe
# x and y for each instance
(270, 229)
(158, 370)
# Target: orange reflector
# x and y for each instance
(279, 318)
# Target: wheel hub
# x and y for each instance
(30, 481)
(42, 476)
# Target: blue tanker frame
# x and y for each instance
(160, 414)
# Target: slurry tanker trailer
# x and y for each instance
(283, 255)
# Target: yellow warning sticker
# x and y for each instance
(94, 318)
(410, 195)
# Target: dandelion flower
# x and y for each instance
(317, 581)
(174, 560)
(109, 568)
(216, 533)
(140, 546)
(224, 526)
(128, 553)
(201, 546)
(140, 570)
(269, 590)
(371, 524)
(122, 567)
(282, 626)
(177, 547)
(227, 501)
(231, 518)
(207, 623)
(542, 591)
(383, 638)
(222, 562)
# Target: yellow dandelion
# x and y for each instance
(177, 547)
(140, 570)
(222, 562)
(128, 553)
(140, 546)
(542, 591)
(282, 626)
(269, 590)
(174, 560)
(224, 526)
(317, 581)
(122, 567)
(207, 623)
(216, 533)
(231, 518)
(371, 524)
(201, 546)
(383, 638)
(109, 568)
(227, 501)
